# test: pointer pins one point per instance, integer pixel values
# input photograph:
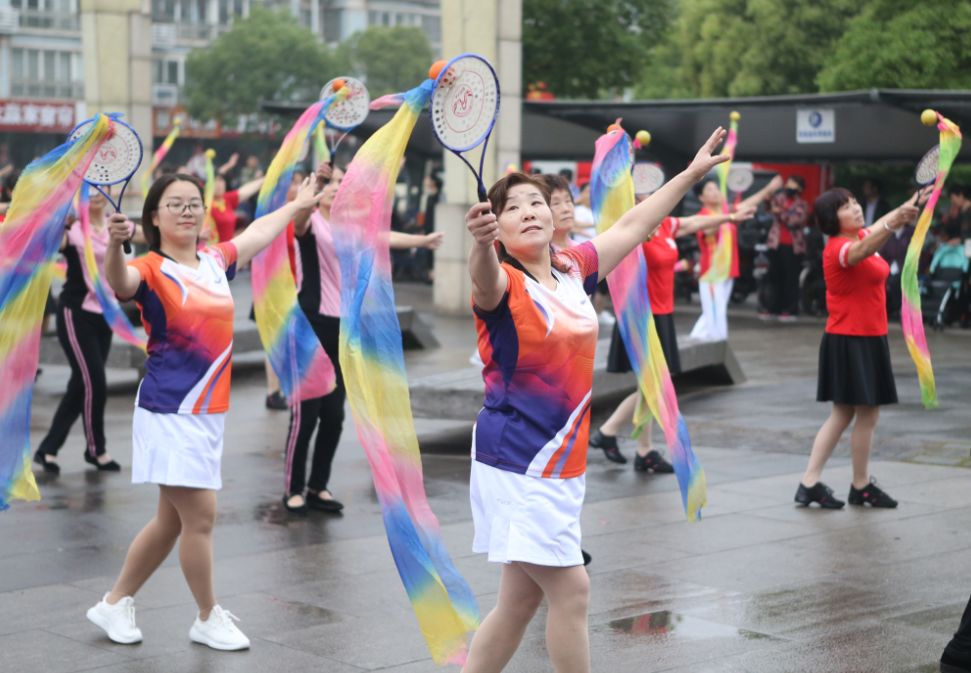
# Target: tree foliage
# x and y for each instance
(747, 47)
(388, 59)
(583, 49)
(267, 56)
(896, 44)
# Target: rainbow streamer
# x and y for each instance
(208, 195)
(911, 319)
(373, 365)
(110, 309)
(321, 151)
(612, 195)
(290, 343)
(721, 258)
(160, 155)
(29, 239)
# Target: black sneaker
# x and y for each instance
(871, 495)
(586, 557)
(277, 401)
(608, 443)
(652, 462)
(820, 493)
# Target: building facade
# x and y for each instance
(42, 68)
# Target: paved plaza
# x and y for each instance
(757, 586)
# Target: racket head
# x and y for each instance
(926, 171)
(740, 178)
(648, 178)
(465, 102)
(119, 156)
(349, 112)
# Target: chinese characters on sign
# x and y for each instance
(36, 116)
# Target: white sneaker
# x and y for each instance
(117, 620)
(219, 632)
(606, 319)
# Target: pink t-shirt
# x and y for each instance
(99, 242)
(318, 272)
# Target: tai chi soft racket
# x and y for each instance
(116, 162)
(740, 178)
(348, 111)
(648, 178)
(464, 108)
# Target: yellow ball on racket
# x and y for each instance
(210, 154)
(734, 115)
(643, 138)
(928, 117)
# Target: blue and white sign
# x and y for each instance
(815, 126)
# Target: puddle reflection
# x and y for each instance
(667, 624)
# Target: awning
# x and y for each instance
(873, 125)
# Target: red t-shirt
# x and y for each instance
(223, 213)
(707, 240)
(856, 296)
(661, 253)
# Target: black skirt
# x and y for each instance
(855, 370)
(617, 360)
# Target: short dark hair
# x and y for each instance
(952, 230)
(799, 180)
(152, 234)
(963, 190)
(557, 183)
(826, 207)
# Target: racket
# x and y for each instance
(926, 171)
(740, 178)
(648, 178)
(346, 112)
(116, 162)
(464, 107)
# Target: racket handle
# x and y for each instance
(127, 247)
(483, 197)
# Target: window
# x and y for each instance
(52, 14)
(168, 71)
(45, 73)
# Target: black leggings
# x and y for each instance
(784, 269)
(328, 410)
(960, 645)
(86, 340)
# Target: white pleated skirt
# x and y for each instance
(177, 449)
(529, 519)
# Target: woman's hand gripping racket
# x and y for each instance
(346, 112)
(926, 173)
(464, 108)
(116, 162)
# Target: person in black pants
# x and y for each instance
(318, 280)
(957, 655)
(787, 248)
(86, 339)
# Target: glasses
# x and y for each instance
(178, 207)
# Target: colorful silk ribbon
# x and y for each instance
(29, 239)
(110, 308)
(720, 268)
(373, 367)
(911, 318)
(160, 155)
(612, 195)
(292, 346)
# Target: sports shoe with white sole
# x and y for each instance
(117, 620)
(219, 632)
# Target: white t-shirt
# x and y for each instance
(582, 215)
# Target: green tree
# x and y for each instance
(388, 59)
(899, 44)
(584, 49)
(747, 47)
(266, 57)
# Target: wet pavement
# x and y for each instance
(757, 586)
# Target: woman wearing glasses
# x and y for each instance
(180, 410)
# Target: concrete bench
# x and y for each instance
(457, 394)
